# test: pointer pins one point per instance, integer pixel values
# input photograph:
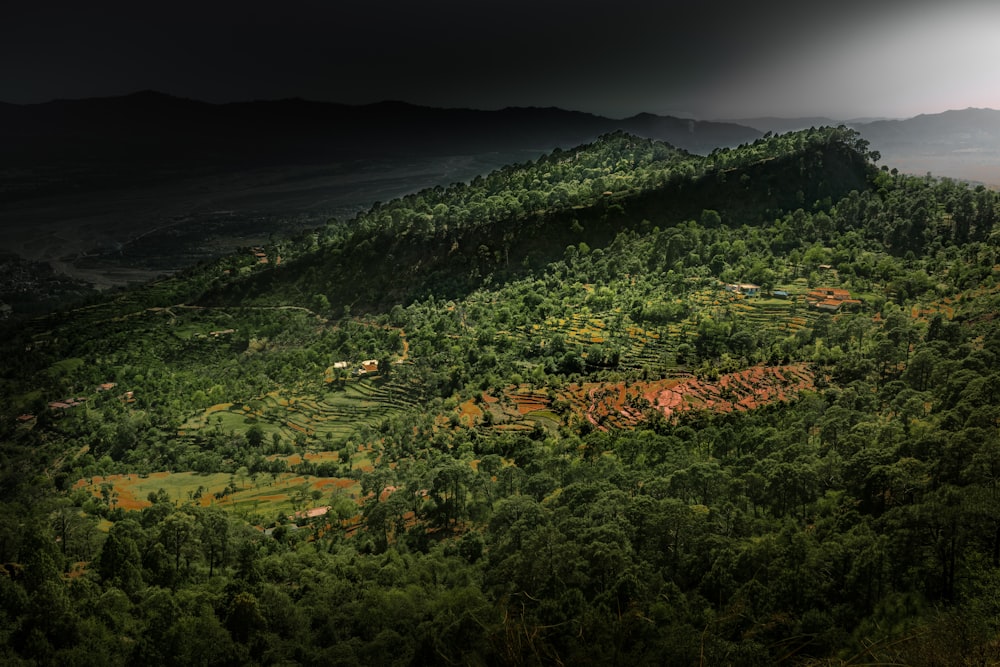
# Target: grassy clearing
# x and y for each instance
(329, 416)
(268, 496)
(64, 366)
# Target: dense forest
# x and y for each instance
(618, 405)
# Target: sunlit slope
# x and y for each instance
(448, 241)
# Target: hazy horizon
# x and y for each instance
(722, 60)
(685, 115)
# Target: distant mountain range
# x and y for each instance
(976, 130)
(153, 126)
(149, 133)
(963, 144)
(779, 125)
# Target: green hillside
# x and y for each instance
(622, 404)
(445, 241)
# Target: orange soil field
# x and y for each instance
(745, 390)
(123, 485)
(312, 457)
(617, 405)
(607, 405)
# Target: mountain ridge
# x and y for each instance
(149, 126)
(390, 124)
(446, 241)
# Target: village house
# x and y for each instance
(830, 293)
(746, 289)
(368, 366)
(828, 305)
(831, 299)
(66, 404)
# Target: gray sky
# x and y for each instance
(709, 59)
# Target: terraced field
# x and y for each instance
(654, 346)
(341, 408)
(608, 405)
(330, 417)
(262, 495)
(745, 390)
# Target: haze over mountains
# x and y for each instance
(175, 128)
(150, 128)
(962, 144)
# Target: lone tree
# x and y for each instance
(384, 367)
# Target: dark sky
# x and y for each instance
(709, 59)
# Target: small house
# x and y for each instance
(368, 366)
(829, 305)
(746, 289)
(831, 299)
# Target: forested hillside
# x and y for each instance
(619, 405)
(523, 217)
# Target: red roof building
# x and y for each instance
(831, 299)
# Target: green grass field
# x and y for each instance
(328, 417)
(265, 496)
